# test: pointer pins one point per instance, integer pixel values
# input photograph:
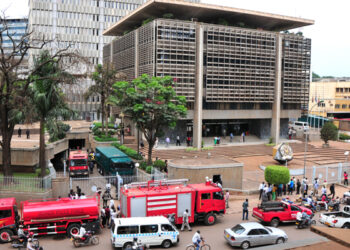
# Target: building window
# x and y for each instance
(337, 90)
(343, 106)
(337, 106)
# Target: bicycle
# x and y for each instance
(203, 246)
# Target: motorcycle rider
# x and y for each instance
(299, 217)
(305, 218)
(21, 234)
(311, 202)
(30, 245)
(83, 233)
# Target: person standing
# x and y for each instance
(245, 209)
(243, 136)
(219, 139)
(108, 215)
(156, 143)
(167, 141)
(19, 132)
(28, 133)
(323, 190)
(291, 186)
(188, 141)
(261, 189)
(185, 221)
(215, 140)
(332, 189)
(298, 186)
(178, 140)
(316, 186)
(290, 134)
(224, 133)
(227, 199)
(103, 217)
(231, 137)
(78, 191)
(346, 178)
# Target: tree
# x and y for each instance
(104, 77)
(315, 77)
(48, 101)
(14, 82)
(277, 174)
(329, 132)
(152, 104)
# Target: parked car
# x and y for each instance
(250, 234)
(337, 219)
(299, 126)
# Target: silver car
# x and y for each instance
(249, 234)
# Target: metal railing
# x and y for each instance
(25, 184)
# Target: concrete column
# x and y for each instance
(197, 120)
(276, 107)
(111, 53)
(136, 74)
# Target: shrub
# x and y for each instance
(159, 164)
(149, 169)
(104, 138)
(38, 171)
(344, 136)
(99, 125)
(207, 148)
(329, 132)
(277, 174)
(189, 149)
(128, 151)
(270, 140)
(143, 165)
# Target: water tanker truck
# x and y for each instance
(52, 216)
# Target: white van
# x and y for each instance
(299, 126)
(152, 231)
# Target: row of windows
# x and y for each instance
(143, 229)
(85, 46)
(342, 90)
(121, 6)
(343, 106)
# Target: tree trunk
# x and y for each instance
(150, 147)
(103, 113)
(42, 161)
(6, 131)
(106, 119)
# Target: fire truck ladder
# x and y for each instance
(156, 183)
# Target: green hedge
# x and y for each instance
(159, 164)
(99, 125)
(344, 136)
(104, 138)
(128, 151)
(277, 174)
(149, 169)
(143, 165)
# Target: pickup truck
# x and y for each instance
(337, 219)
(276, 212)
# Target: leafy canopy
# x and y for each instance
(277, 174)
(329, 132)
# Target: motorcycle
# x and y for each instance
(21, 242)
(138, 246)
(87, 239)
(305, 223)
(333, 206)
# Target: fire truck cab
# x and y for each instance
(8, 218)
(204, 201)
(78, 163)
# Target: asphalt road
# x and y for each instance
(212, 234)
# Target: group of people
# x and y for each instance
(20, 133)
(76, 195)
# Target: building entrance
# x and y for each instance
(223, 128)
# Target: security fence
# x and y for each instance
(333, 173)
(25, 184)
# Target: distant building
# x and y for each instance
(17, 28)
(237, 69)
(330, 99)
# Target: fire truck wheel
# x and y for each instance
(73, 229)
(127, 245)
(166, 244)
(5, 235)
(210, 219)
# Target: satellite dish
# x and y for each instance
(93, 188)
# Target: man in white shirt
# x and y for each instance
(227, 198)
(185, 222)
(299, 217)
(196, 239)
(261, 189)
(82, 231)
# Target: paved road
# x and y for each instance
(213, 236)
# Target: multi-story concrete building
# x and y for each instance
(237, 68)
(78, 24)
(330, 98)
(17, 28)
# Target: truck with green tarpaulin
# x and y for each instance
(111, 160)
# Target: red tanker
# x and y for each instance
(54, 216)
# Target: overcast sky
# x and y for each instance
(330, 35)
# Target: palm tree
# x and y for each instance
(104, 77)
(48, 101)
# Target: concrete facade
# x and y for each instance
(228, 74)
(231, 172)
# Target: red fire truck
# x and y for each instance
(172, 197)
(78, 163)
(53, 216)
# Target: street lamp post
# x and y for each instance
(306, 135)
(121, 128)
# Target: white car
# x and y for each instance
(250, 234)
(337, 219)
(299, 126)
